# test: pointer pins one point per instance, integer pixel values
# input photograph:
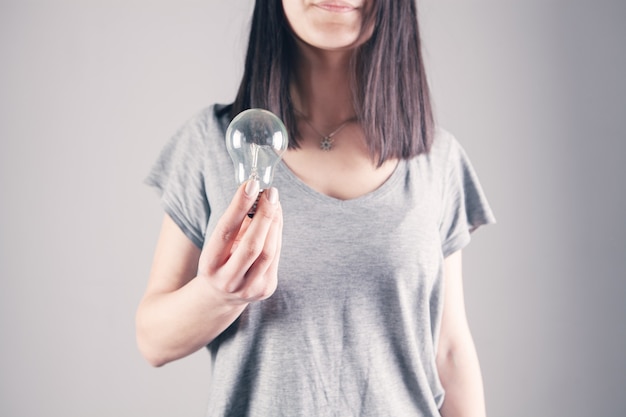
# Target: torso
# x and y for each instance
(359, 289)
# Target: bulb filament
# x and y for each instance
(254, 172)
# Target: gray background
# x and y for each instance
(91, 90)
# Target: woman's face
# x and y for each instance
(327, 24)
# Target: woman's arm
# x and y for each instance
(457, 361)
(192, 295)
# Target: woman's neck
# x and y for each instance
(321, 87)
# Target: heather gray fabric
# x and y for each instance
(352, 328)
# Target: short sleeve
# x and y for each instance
(178, 176)
(465, 207)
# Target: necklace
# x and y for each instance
(326, 141)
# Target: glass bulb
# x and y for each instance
(256, 140)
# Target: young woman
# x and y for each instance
(343, 296)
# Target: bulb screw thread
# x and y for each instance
(254, 206)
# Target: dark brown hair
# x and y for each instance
(391, 95)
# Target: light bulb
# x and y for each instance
(256, 140)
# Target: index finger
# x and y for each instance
(228, 226)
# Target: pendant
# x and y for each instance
(326, 144)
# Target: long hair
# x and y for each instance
(390, 89)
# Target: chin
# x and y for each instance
(335, 43)
(331, 37)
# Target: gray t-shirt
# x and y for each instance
(352, 328)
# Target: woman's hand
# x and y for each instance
(240, 260)
(193, 295)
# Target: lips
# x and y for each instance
(336, 6)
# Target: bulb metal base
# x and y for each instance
(254, 206)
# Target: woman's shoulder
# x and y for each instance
(445, 153)
(204, 130)
(214, 117)
(443, 143)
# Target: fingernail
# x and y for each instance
(272, 195)
(252, 188)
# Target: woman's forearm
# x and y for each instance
(175, 324)
(459, 371)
